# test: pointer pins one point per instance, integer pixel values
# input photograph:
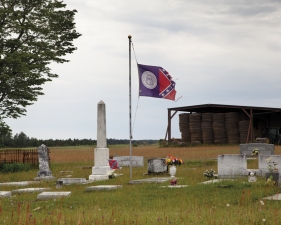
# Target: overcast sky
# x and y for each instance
(219, 52)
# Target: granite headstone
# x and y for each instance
(157, 165)
(44, 164)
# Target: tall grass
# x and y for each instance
(228, 202)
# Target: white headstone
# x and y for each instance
(137, 161)
(230, 166)
(101, 153)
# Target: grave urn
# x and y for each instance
(272, 175)
(173, 170)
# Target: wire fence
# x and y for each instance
(28, 156)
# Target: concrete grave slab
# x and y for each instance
(30, 190)
(103, 187)
(214, 181)
(44, 178)
(53, 195)
(174, 186)
(66, 173)
(66, 181)
(274, 197)
(20, 183)
(151, 180)
(5, 194)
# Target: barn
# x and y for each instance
(226, 124)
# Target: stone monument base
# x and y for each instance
(100, 173)
(98, 177)
(44, 178)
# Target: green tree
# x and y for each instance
(33, 33)
(5, 133)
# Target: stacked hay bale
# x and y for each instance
(195, 128)
(184, 127)
(207, 128)
(243, 130)
(219, 130)
(231, 126)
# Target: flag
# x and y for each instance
(113, 164)
(156, 82)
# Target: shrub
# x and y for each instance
(14, 167)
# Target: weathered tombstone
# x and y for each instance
(101, 153)
(265, 149)
(59, 184)
(157, 165)
(44, 172)
(230, 166)
(137, 161)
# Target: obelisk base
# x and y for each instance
(100, 173)
(98, 177)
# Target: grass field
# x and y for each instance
(228, 202)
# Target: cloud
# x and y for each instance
(220, 52)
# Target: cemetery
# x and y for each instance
(169, 185)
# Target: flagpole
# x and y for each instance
(130, 108)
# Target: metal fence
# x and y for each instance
(29, 156)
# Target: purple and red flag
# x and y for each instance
(156, 82)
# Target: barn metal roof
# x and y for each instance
(217, 108)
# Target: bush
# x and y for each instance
(14, 167)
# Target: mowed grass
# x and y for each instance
(228, 202)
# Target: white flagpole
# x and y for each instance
(130, 108)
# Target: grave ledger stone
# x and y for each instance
(44, 164)
(101, 153)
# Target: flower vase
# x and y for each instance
(275, 177)
(173, 170)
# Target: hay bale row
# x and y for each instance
(184, 127)
(243, 130)
(208, 128)
(219, 128)
(195, 128)
(231, 126)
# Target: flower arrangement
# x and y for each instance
(255, 151)
(111, 174)
(270, 181)
(208, 173)
(174, 182)
(171, 160)
(271, 164)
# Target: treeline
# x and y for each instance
(112, 141)
(21, 140)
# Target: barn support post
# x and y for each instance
(168, 132)
(250, 128)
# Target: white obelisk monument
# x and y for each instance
(101, 152)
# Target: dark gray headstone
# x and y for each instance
(265, 149)
(157, 165)
(44, 162)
